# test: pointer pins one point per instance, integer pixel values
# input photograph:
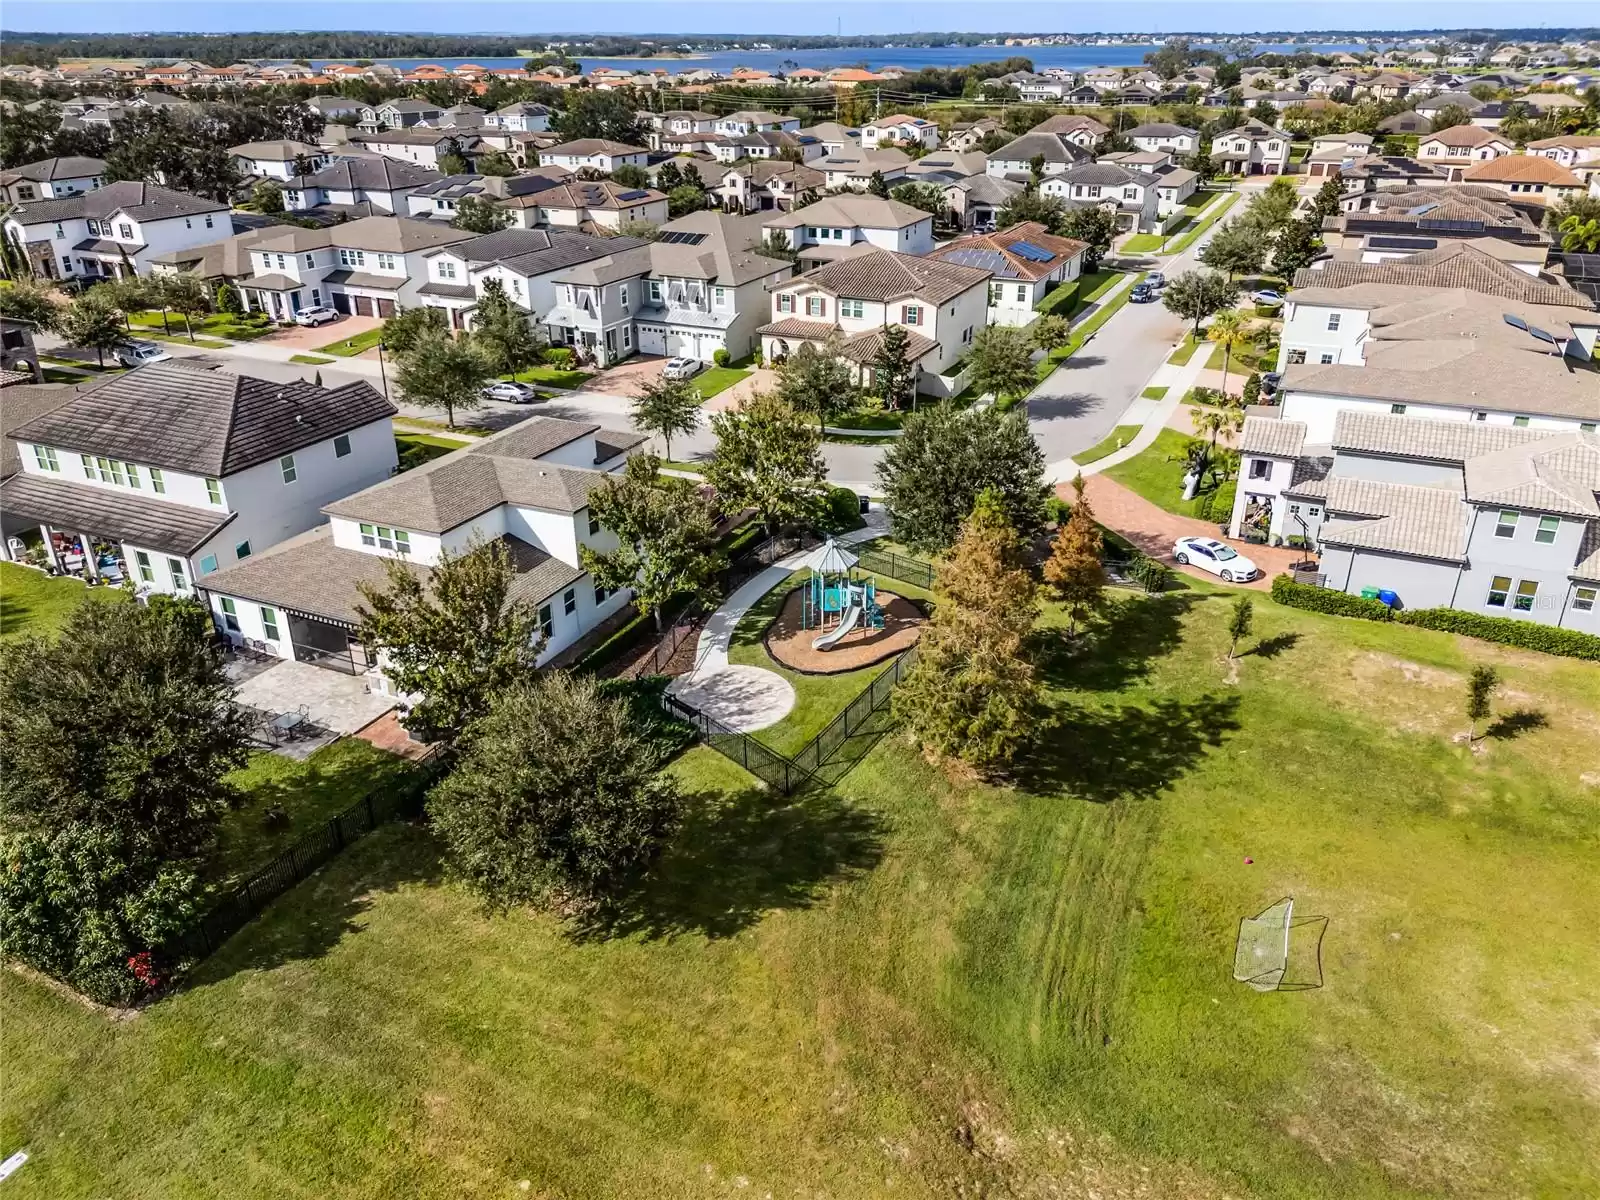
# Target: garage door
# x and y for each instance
(341, 303)
(652, 339)
(385, 307)
(680, 344)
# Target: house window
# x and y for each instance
(1022, 293)
(341, 446)
(852, 308)
(1397, 410)
(133, 474)
(655, 293)
(230, 614)
(1333, 322)
(286, 465)
(1480, 415)
(569, 601)
(816, 306)
(146, 571)
(386, 262)
(1548, 528)
(311, 260)
(213, 491)
(352, 258)
(208, 564)
(785, 303)
(547, 621)
(175, 569)
(369, 536)
(1587, 426)
(627, 337)
(1296, 357)
(622, 295)
(1506, 526)
(719, 295)
(1527, 589)
(996, 293)
(594, 524)
(447, 270)
(158, 481)
(208, 220)
(1260, 468)
(1499, 589)
(60, 232)
(599, 595)
(269, 624)
(1583, 599)
(283, 263)
(242, 550)
(911, 314)
(1520, 422)
(126, 231)
(1325, 359)
(45, 456)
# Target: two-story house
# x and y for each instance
(968, 135)
(1578, 153)
(1027, 263)
(1132, 195)
(768, 185)
(1052, 152)
(441, 198)
(737, 124)
(1254, 148)
(1164, 138)
(524, 262)
(764, 143)
(1530, 178)
(367, 267)
(586, 204)
(1333, 153)
(422, 146)
(51, 179)
(838, 226)
(698, 288)
(336, 108)
(278, 160)
(522, 116)
(180, 469)
(855, 169)
(1460, 146)
(900, 131)
(398, 114)
(1083, 132)
(358, 187)
(527, 488)
(941, 306)
(113, 230)
(1496, 519)
(600, 154)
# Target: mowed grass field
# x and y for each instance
(909, 987)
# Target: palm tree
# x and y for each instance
(1580, 236)
(1231, 331)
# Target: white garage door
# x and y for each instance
(680, 344)
(652, 339)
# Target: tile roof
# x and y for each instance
(205, 421)
(141, 201)
(997, 251)
(1455, 265)
(598, 193)
(1522, 168)
(505, 468)
(867, 212)
(1272, 436)
(586, 147)
(1588, 566)
(1428, 522)
(1556, 474)
(795, 327)
(20, 404)
(887, 275)
(111, 512)
(309, 574)
(1422, 437)
(863, 347)
(1467, 137)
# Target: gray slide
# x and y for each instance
(851, 616)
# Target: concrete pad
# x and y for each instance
(742, 698)
(335, 703)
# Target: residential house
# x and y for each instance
(440, 199)
(1174, 184)
(399, 114)
(940, 305)
(51, 179)
(1432, 106)
(946, 166)
(463, 116)
(769, 185)
(358, 187)
(976, 201)
(1016, 158)
(968, 135)
(225, 261)
(737, 124)
(1578, 153)
(335, 108)
(278, 160)
(523, 116)
(1083, 132)
(855, 169)
(900, 131)
(184, 469)
(1026, 262)
(1530, 177)
(1494, 519)
(1164, 138)
(526, 489)
(1254, 148)
(588, 204)
(1333, 153)
(113, 230)
(599, 154)
(1460, 146)
(700, 287)
(421, 146)
(1130, 194)
(840, 226)
(1405, 124)
(765, 144)
(1447, 213)
(524, 262)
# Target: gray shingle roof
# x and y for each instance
(69, 167)
(1053, 146)
(366, 174)
(141, 201)
(207, 422)
(109, 512)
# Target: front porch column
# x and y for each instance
(50, 547)
(89, 556)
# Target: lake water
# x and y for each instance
(1076, 58)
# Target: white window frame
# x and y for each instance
(288, 469)
(1505, 525)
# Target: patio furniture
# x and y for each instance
(288, 724)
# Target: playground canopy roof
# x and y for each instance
(829, 559)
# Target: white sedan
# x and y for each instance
(1211, 555)
(681, 368)
(512, 393)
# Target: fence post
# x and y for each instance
(372, 818)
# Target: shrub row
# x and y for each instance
(1508, 631)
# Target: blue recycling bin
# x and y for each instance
(1388, 597)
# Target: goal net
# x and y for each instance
(1277, 951)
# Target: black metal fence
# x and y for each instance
(397, 799)
(846, 739)
(898, 566)
(766, 764)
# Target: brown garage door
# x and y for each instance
(385, 307)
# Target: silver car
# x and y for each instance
(137, 354)
(681, 368)
(511, 393)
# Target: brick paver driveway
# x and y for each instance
(1153, 529)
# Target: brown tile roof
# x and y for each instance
(590, 146)
(20, 404)
(1522, 168)
(998, 249)
(793, 327)
(864, 347)
(1456, 265)
(1468, 137)
(887, 275)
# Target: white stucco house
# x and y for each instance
(900, 131)
(276, 160)
(597, 153)
(839, 226)
(1027, 263)
(51, 179)
(112, 230)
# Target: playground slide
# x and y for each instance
(851, 616)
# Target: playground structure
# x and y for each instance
(833, 595)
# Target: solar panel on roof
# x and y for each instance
(682, 237)
(1514, 321)
(1582, 266)
(1379, 242)
(1544, 335)
(1031, 252)
(1452, 226)
(633, 195)
(973, 257)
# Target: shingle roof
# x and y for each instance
(591, 146)
(1456, 265)
(598, 193)
(376, 174)
(69, 167)
(109, 512)
(141, 201)
(309, 574)
(275, 151)
(538, 251)
(1161, 129)
(208, 422)
(1053, 146)
(887, 275)
(1468, 137)
(502, 469)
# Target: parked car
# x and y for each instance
(1271, 382)
(1269, 297)
(1211, 555)
(1142, 293)
(511, 393)
(317, 314)
(137, 354)
(1156, 280)
(681, 368)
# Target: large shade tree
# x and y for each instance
(440, 371)
(1196, 295)
(768, 458)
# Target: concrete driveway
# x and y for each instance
(301, 339)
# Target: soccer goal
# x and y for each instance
(1279, 952)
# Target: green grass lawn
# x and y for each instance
(183, 339)
(218, 325)
(32, 602)
(1072, 298)
(1118, 438)
(418, 448)
(1204, 223)
(349, 347)
(714, 380)
(1156, 473)
(914, 987)
(1192, 346)
(1153, 393)
(554, 377)
(312, 360)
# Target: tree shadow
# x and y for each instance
(1514, 724)
(1273, 646)
(740, 856)
(15, 616)
(1101, 755)
(1119, 645)
(1041, 406)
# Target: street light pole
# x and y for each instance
(383, 372)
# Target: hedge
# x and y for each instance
(1508, 631)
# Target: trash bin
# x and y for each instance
(866, 504)
(1369, 593)
(1389, 598)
